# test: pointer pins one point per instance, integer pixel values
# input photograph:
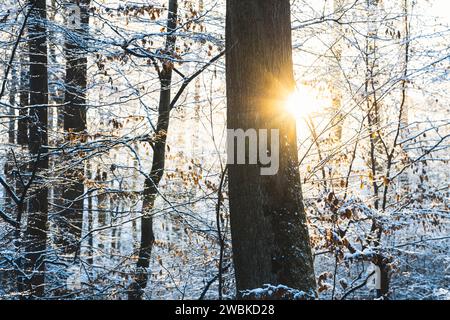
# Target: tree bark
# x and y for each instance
(24, 93)
(71, 218)
(268, 221)
(404, 104)
(12, 102)
(336, 132)
(36, 231)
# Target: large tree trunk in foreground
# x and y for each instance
(268, 223)
(36, 232)
(71, 218)
(159, 155)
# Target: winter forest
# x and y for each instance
(116, 181)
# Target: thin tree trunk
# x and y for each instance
(22, 140)
(374, 124)
(158, 164)
(12, 102)
(24, 92)
(9, 164)
(90, 218)
(337, 76)
(71, 218)
(53, 96)
(401, 125)
(268, 221)
(36, 231)
(372, 103)
(404, 118)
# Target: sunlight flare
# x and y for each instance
(303, 102)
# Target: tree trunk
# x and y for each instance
(71, 218)
(374, 124)
(336, 72)
(404, 104)
(374, 103)
(53, 90)
(268, 222)
(159, 156)
(36, 231)
(24, 92)
(12, 102)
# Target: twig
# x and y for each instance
(358, 286)
(9, 191)
(9, 219)
(219, 229)
(210, 282)
(192, 77)
(13, 52)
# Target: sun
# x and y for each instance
(303, 102)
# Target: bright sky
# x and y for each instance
(440, 8)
